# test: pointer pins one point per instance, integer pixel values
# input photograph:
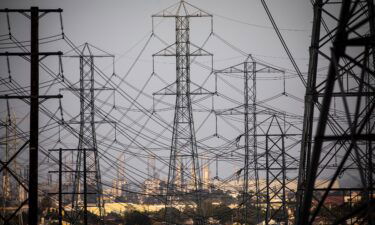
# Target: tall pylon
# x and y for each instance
(87, 177)
(339, 145)
(184, 160)
(277, 162)
(249, 68)
(83, 182)
(86, 186)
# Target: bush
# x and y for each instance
(136, 218)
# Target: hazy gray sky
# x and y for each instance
(116, 26)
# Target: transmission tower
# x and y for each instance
(339, 145)
(278, 164)
(249, 69)
(86, 186)
(184, 161)
(87, 159)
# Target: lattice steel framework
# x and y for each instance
(184, 161)
(340, 143)
(251, 170)
(248, 70)
(87, 181)
(82, 186)
(278, 162)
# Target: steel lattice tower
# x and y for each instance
(83, 180)
(340, 143)
(275, 172)
(183, 147)
(249, 69)
(87, 181)
(278, 165)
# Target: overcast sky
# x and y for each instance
(121, 27)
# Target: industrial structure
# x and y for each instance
(184, 158)
(81, 145)
(340, 143)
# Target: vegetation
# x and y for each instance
(137, 218)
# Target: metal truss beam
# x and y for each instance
(346, 47)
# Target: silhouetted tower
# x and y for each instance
(183, 147)
(86, 186)
(340, 143)
(87, 181)
(275, 172)
(249, 69)
(248, 109)
(278, 163)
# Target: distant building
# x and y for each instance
(119, 187)
(206, 180)
(153, 190)
(152, 186)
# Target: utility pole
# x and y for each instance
(34, 118)
(34, 104)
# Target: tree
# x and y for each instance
(173, 213)
(45, 203)
(136, 218)
(223, 213)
